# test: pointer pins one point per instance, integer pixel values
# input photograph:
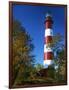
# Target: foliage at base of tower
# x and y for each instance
(60, 61)
(59, 58)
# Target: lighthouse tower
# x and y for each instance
(48, 53)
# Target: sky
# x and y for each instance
(32, 19)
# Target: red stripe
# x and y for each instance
(48, 39)
(48, 24)
(48, 56)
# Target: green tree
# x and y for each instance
(59, 58)
(23, 59)
(39, 67)
(61, 63)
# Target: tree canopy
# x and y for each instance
(23, 59)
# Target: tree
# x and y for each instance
(39, 67)
(59, 58)
(22, 52)
(61, 62)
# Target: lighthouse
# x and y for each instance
(48, 39)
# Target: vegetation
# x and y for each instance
(23, 60)
(59, 58)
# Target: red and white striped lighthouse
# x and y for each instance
(48, 53)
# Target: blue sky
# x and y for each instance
(33, 17)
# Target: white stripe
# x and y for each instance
(48, 62)
(47, 49)
(48, 32)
